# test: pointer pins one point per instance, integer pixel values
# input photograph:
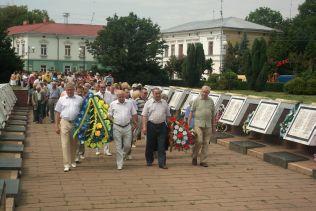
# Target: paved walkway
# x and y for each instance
(232, 181)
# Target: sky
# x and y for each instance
(165, 13)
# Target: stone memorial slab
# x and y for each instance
(218, 135)
(177, 99)
(243, 146)
(12, 187)
(11, 148)
(17, 117)
(303, 127)
(2, 195)
(17, 122)
(10, 163)
(192, 96)
(15, 128)
(282, 158)
(233, 109)
(265, 117)
(10, 136)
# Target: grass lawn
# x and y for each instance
(274, 95)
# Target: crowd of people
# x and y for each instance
(60, 96)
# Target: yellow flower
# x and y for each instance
(106, 106)
(97, 133)
(101, 102)
(99, 126)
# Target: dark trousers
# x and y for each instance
(156, 139)
(38, 113)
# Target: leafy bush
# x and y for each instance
(274, 87)
(295, 86)
(310, 86)
(241, 85)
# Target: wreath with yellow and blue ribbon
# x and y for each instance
(92, 126)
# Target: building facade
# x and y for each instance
(213, 35)
(54, 46)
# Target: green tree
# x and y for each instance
(200, 61)
(258, 60)
(9, 61)
(130, 45)
(209, 65)
(231, 60)
(174, 65)
(15, 15)
(267, 17)
(189, 67)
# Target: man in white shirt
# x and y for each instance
(67, 109)
(122, 112)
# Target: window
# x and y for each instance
(67, 50)
(43, 68)
(82, 51)
(167, 51)
(81, 68)
(180, 51)
(23, 49)
(43, 50)
(210, 48)
(67, 68)
(173, 50)
(18, 49)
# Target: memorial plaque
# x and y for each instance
(303, 126)
(232, 110)
(177, 99)
(215, 98)
(192, 96)
(265, 117)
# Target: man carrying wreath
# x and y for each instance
(203, 111)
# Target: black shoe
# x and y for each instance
(204, 164)
(163, 167)
(194, 161)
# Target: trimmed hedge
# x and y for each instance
(274, 87)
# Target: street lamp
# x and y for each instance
(82, 54)
(29, 50)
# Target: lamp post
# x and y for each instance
(82, 53)
(28, 56)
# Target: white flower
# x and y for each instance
(184, 133)
(174, 138)
(180, 129)
(183, 142)
(176, 127)
(185, 138)
(178, 141)
(175, 132)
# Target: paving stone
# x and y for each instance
(229, 183)
(20, 113)
(282, 158)
(243, 146)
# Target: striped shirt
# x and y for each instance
(140, 105)
(156, 111)
(69, 107)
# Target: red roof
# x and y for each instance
(57, 28)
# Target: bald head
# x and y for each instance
(120, 96)
(205, 91)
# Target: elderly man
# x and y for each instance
(122, 112)
(203, 111)
(53, 95)
(67, 109)
(155, 113)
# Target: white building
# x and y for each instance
(54, 46)
(209, 34)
